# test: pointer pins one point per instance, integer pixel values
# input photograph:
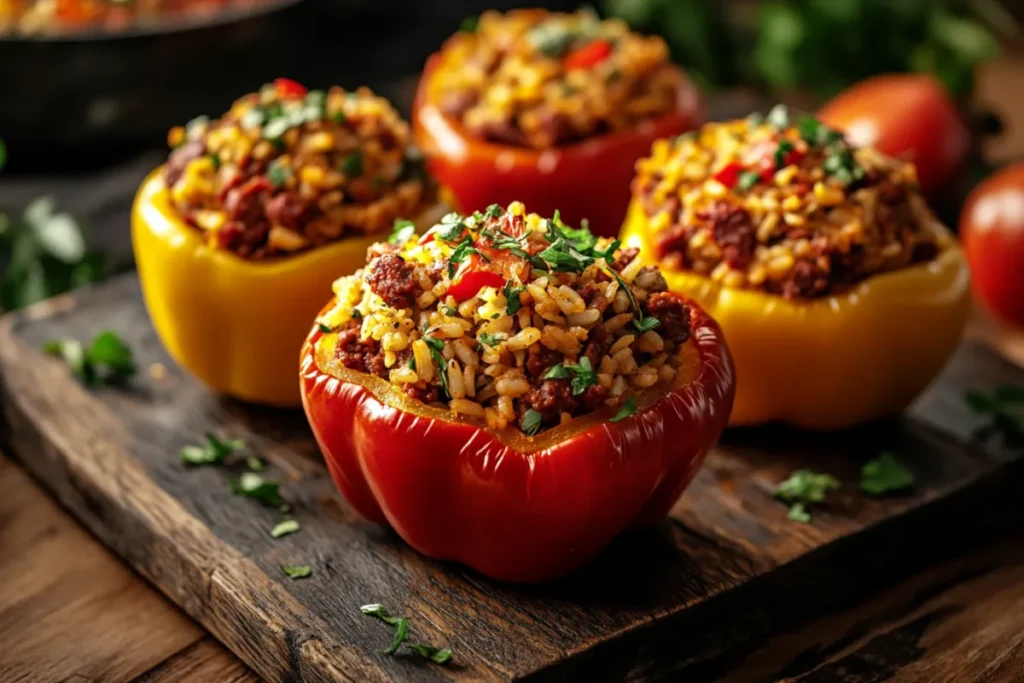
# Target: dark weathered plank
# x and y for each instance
(204, 660)
(644, 610)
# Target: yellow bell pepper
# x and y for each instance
(833, 362)
(237, 325)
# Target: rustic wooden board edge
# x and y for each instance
(92, 490)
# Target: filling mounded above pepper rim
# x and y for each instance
(510, 320)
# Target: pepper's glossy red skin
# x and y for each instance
(513, 507)
(289, 89)
(589, 179)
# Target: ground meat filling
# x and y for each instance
(511, 320)
(288, 169)
(532, 78)
(787, 207)
(394, 281)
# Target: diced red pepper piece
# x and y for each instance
(287, 89)
(730, 174)
(590, 55)
(467, 285)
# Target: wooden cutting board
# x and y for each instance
(726, 570)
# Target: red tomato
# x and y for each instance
(476, 273)
(591, 54)
(909, 116)
(289, 89)
(992, 232)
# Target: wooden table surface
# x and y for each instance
(70, 611)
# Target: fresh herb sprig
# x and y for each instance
(580, 376)
(402, 231)
(627, 408)
(885, 474)
(213, 452)
(436, 346)
(1004, 407)
(296, 571)
(255, 486)
(803, 488)
(106, 360)
(400, 636)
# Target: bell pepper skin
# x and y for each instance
(589, 179)
(513, 507)
(236, 325)
(834, 362)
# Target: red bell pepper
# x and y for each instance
(589, 55)
(468, 284)
(287, 89)
(514, 507)
(589, 179)
(730, 174)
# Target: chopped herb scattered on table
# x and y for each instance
(401, 635)
(885, 474)
(107, 360)
(213, 452)
(803, 488)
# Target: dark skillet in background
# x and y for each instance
(76, 101)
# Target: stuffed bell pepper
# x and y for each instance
(508, 392)
(840, 293)
(255, 213)
(550, 109)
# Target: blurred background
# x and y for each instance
(90, 87)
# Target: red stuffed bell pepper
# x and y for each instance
(519, 427)
(551, 109)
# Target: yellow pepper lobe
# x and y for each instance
(832, 362)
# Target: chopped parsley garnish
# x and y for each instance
(784, 148)
(468, 25)
(339, 117)
(625, 410)
(275, 128)
(401, 635)
(608, 254)
(278, 174)
(551, 38)
(296, 571)
(561, 257)
(412, 363)
(252, 485)
(213, 452)
(324, 328)
(778, 117)
(493, 211)
(357, 314)
(885, 474)
(802, 488)
(1003, 406)
(107, 360)
(748, 179)
(215, 160)
(352, 165)
(453, 227)
(255, 463)
(288, 526)
(646, 323)
(581, 239)
(798, 513)
(512, 303)
(461, 253)
(436, 347)
(530, 424)
(449, 310)
(492, 339)
(582, 375)
(402, 231)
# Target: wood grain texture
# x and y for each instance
(204, 660)
(68, 608)
(726, 570)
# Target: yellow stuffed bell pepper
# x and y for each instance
(839, 294)
(234, 256)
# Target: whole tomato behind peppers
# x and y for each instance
(909, 116)
(585, 180)
(992, 232)
(514, 507)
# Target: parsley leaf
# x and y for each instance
(468, 25)
(798, 513)
(561, 257)
(252, 485)
(326, 329)
(748, 179)
(278, 174)
(645, 323)
(581, 239)
(806, 486)
(493, 211)
(288, 526)
(491, 339)
(625, 410)
(436, 347)
(530, 424)
(885, 474)
(401, 635)
(402, 231)
(556, 372)
(438, 656)
(453, 227)
(1003, 406)
(781, 152)
(213, 452)
(255, 464)
(461, 253)
(107, 360)
(296, 571)
(512, 293)
(352, 165)
(581, 376)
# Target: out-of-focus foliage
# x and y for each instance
(43, 253)
(823, 45)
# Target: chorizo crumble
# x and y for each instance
(537, 79)
(788, 208)
(288, 169)
(506, 318)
